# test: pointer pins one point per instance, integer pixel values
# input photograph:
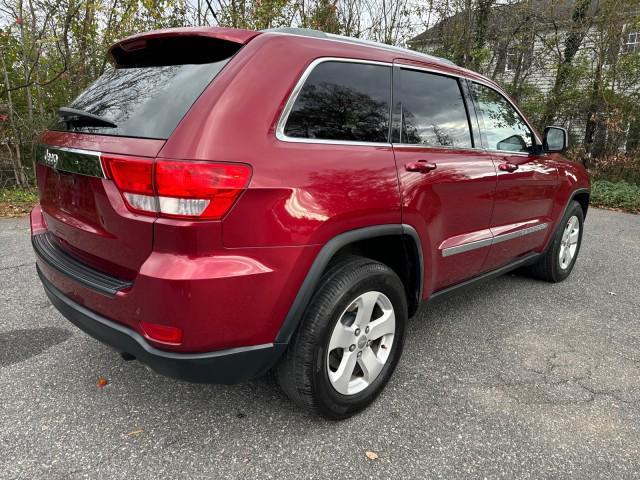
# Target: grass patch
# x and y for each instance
(15, 202)
(617, 195)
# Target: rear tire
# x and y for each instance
(349, 341)
(558, 261)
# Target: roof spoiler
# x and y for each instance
(178, 46)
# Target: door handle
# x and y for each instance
(421, 166)
(508, 167)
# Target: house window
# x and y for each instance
(511, 62)
(632, 43)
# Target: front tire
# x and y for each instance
(558, 261)
(349, 341)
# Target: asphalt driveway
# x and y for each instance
(512, 378)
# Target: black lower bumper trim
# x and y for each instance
(225, 366)
(45, 247)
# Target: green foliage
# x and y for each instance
(618, 195)
(324, 17)
(50, 52)
(257, 14)
(18, 195)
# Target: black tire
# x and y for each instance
(302, 373)
(548, 267)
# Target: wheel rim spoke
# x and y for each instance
(371, 365)
(573, 237)
(366, 304)
(342, 337)
(342, 376)
(574, 223)
(382, 326)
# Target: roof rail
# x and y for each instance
(309, 32)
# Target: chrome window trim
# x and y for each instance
(293, 96)
(286, 111)
(436, 147)
(95, 170)
(466, 247)
(509, 152)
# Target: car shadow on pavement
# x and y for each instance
(19, 345)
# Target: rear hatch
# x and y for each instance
(124, 117)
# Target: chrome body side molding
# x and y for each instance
(465, 247)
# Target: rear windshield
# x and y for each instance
(145, 102)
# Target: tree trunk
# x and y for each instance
(18, 169)
(482, 23)
(579, 27)
(25, 64)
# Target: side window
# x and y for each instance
(502, 126)
(343, 101)
(430, 110)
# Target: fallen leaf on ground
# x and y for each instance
(135, 432)
(102, 382)
(371, 455)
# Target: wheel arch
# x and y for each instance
(582, 197)
(372, 242)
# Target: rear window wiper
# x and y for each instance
(80, 117)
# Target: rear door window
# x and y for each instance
(146, 102)
(430, 110)
(343, 101)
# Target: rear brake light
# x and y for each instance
(132, 175)
(177, 189)
(200, 189)
(161, 333)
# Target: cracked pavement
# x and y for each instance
(511, 378)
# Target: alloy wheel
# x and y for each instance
(569, 242)
(360, 343)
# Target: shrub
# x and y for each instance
(618, 167)
(619, 195)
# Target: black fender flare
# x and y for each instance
(556, 222)
(303, 297)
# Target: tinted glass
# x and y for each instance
(343, 101)
(431, 110)
(503, 127)
(143, 102)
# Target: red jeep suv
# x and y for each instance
(224, 202)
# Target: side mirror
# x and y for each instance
(555, 139)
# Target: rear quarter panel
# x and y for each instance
(300, 193)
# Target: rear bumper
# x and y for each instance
(221, 298)
(224, 366)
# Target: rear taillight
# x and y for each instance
(177, 189)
